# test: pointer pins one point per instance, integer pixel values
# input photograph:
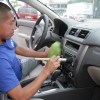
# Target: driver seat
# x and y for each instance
(34, 73)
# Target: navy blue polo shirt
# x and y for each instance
(10, 66)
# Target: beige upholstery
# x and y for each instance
(34, 73)
(94, 73)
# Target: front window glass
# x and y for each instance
(25, 11)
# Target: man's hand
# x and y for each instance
(52, 64)
(46, 52)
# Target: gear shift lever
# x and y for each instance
(55, 75)
(53, 78)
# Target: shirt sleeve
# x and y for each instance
(8, 79)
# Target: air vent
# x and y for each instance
(83, 34)
(73, 31)
(51, 29)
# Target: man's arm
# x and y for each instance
(30, 53)
(19, 93)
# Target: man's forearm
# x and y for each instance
(33, 87)
(28, 53)
(28, 91)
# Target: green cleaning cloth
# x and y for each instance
(55, 49)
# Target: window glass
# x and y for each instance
(24, 11)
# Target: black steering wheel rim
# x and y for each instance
(41, 41)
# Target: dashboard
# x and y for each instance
(81, 41)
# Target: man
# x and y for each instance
(10, 65)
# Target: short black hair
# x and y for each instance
(4, 9)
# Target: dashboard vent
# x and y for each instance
(52, 29)
(73, 31)
(83, 34)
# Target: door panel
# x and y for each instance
(26, 23)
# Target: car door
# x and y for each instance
(26, 17)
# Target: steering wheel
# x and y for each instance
(37, 37)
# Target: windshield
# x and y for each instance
(79, 10)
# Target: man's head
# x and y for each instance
(7, 22)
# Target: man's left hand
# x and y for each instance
(46, 52)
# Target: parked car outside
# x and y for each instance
(28, 13)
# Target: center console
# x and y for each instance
(63, 77)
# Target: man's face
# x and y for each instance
(7, 26)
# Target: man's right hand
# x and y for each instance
(52, 64)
